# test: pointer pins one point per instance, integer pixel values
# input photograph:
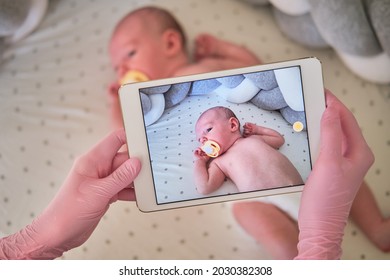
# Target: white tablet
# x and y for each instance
(193, 151)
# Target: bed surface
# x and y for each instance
(53, 108)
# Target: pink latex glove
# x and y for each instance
(98, 178)
(343, 161)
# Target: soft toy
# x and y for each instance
(278, 90)
(358, 30)
(20, 18)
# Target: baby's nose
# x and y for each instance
(203, 139)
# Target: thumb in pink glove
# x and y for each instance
(98, 178)
(343, 161)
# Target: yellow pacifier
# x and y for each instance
(133, 76)
(211, 148)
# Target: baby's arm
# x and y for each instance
(213, 54)
(207, 179)
(210, 47)
(270, 136)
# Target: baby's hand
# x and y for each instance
(199, 154)
(249, 129)
(113, 91)
(205, 46)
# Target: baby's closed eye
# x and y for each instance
(131, 53)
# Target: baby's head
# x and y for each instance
(148, 40)
(219, 124)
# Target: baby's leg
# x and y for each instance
(208, 46)
(270, 226)
(366, 214)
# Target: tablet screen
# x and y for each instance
(194, 151)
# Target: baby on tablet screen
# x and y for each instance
(149, 43)
(251, 160)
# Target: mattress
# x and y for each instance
(54, 107)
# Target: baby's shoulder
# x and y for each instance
(189, 69)
(254, 137)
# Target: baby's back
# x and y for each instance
(252, 164)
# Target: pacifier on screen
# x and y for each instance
(211, 148)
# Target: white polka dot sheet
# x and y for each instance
(53, 88)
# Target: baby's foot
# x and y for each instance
(206, 45)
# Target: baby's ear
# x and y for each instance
(234, 124)
(172, 42)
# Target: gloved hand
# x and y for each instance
(343, 161)
(98, 178)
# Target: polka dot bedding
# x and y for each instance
(54, 107)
